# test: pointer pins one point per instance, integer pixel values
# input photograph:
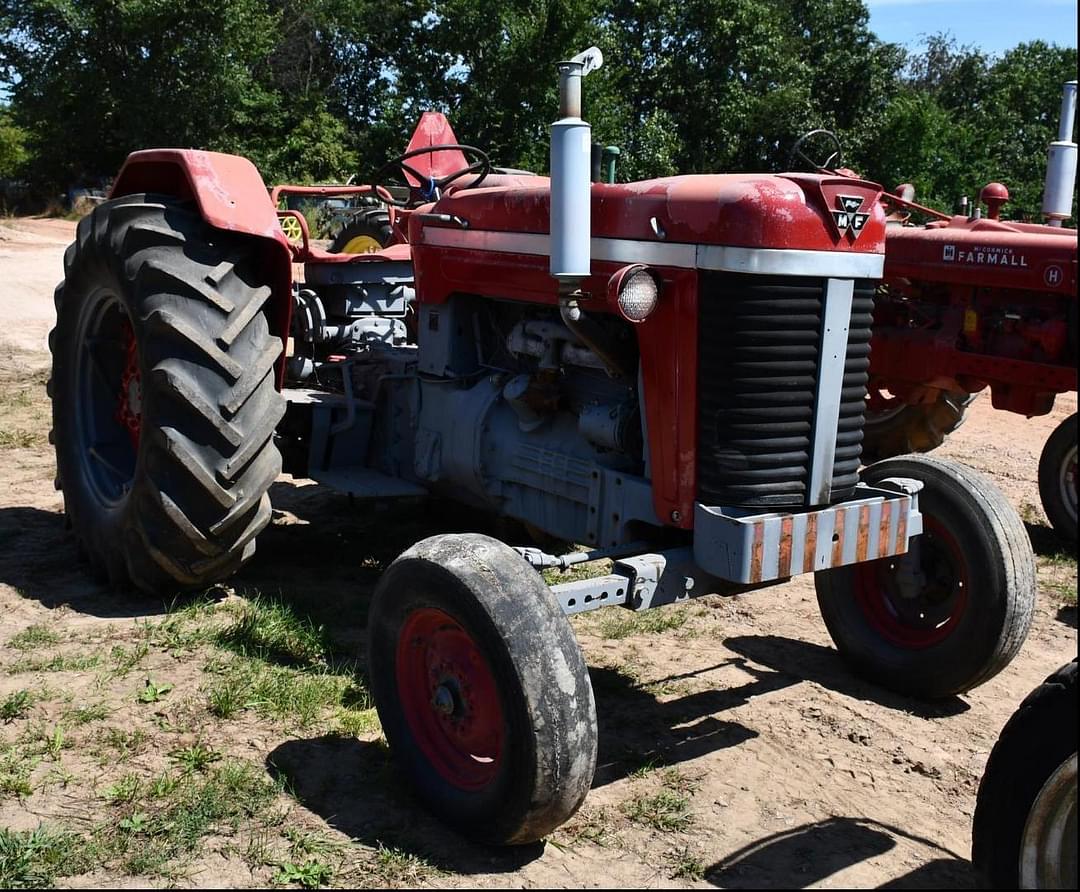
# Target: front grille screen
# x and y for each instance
(758, 360)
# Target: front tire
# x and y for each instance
(955, 610)
(1024, 831)
(482, 689)
(163, 395)
(1057, 479)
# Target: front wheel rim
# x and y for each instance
(450, 699)
(1048, 844)
(933, 613)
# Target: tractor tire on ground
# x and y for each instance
(952, 612)
(1057, 479)
(481, 688)
(1024, 833)
(368, 231)
(905, 429)
(163, 396)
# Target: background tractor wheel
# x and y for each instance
(163, 397)
(895, 428)
(954, 611)
(368, 231)
(1057, 479)
(1024, 832)
(482, 689)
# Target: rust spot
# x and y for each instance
(862, 536)
(883, 529)
(810, 545)
(901, 529)
(838, 538)
(756, 551)
(785, 546)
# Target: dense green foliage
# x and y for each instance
(320, 89)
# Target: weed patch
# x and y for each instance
(34, 637)
(33, 859)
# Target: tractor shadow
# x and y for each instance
(40, 560)
(798, 661)
(807, 855)
(636, 729)
(354, 786)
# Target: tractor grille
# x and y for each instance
(758, 364)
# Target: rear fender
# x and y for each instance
(230, 195)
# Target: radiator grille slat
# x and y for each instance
(758, 360)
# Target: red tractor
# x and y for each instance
(970, 302)
(672, 373)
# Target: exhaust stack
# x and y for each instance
(1061, 164)
(570, 224)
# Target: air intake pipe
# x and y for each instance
(571, 149)
(1061, 164)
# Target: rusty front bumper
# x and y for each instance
(752, 548)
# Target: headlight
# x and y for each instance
(637, 292)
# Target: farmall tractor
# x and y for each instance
(970, 302)
(672, 373)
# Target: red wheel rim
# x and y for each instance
(129, 399)
(450, 699)
(925, 617)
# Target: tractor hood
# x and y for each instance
(780, 212)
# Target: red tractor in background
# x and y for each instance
(672, 373)
(970, 302)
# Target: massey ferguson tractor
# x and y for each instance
(970, 302)
(671, 373)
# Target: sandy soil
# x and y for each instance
(798, 774)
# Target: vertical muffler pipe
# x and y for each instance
(570, 224)
(1061, 164)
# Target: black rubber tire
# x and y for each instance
(1039, 737)
(373, 223)
(1000, 566)
(1060, 450)
(205, 458)
(914, 428)
(545, 693)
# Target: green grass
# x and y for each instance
(16, 768)
(1065, 592)
(20, 439)
(617, 624)
(683, 864)
(33, 859)
(78, 662)
(33, 637)
(666, 811)
(16, 705)
(299, 698)
(271, 631)
(160, 822)
(396, 866)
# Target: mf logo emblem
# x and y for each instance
(848, 217)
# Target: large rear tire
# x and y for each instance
(163, 396)
(1023, 834)
(954, 611)
(894, 428)
(1057, 479)
(482, 689)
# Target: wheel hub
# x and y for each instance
(129, 403)
(1048, 846)
(450, 699)
(917, 600)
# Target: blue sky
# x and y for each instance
(991, 25)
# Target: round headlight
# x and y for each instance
(637, 295)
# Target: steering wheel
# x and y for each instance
(829, 164)
(431, 187)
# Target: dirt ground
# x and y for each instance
(735, 748)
